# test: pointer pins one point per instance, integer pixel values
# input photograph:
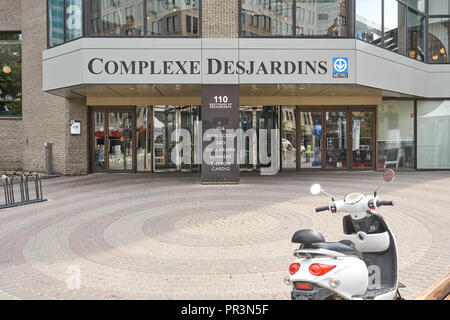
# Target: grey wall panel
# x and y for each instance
(67, 65)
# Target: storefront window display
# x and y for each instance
(433, 134)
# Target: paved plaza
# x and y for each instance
(166, 236)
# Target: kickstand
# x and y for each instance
(399, 296)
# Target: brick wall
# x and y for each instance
(76, 147)
(10, 129)
(11, 144)
(43, 113)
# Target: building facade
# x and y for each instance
(134, 85)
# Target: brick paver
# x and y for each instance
(165, 236)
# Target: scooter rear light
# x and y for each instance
(293, 268)
(318, 269)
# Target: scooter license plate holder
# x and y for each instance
(303, 286)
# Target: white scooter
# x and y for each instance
(361, 267)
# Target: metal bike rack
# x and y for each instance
(12, 200)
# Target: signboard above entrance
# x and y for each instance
(293, 66)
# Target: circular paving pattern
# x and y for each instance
(169, 237)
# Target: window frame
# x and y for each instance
(294, 25)
(13, 116)
(86, 28)
(428, 17)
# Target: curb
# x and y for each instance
(439, 290)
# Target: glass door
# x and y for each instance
(99, 142)
(166, 121)
(363, 139)
(120, 141)
(253, 120)
(335, 140)
(113, 140)
(310, 152)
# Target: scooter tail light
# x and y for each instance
(293, 268)
(318, 269)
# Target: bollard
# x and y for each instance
(48, 159)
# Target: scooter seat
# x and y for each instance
(307, 236)
(338, 247)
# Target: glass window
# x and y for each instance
(368, 21)
(439, 7)
(56, 22)
(394, 26)
(116, 18)
(324, 18)
(267, 18)
(143, 141)
(10, 74)
(396, 134)
(438, 39)
(288, 137)
(433, 134)
(178, 15)
(418, 4)
(416, 32)
(74, 18)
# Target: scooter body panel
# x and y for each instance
(350, 275)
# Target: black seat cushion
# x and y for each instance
(307, 236)
(338, 247)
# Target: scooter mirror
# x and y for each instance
(388, 175)
(315, 189)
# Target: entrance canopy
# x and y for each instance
(193, 62)
(255, 94)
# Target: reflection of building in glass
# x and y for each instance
(439, 39)
(163, 17)
(313, 18)
(56, 21)
(173, 17)
(114, 17)
(265, 17)
(328, 18)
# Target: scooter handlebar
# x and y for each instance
(384, 203)
(325, 208)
